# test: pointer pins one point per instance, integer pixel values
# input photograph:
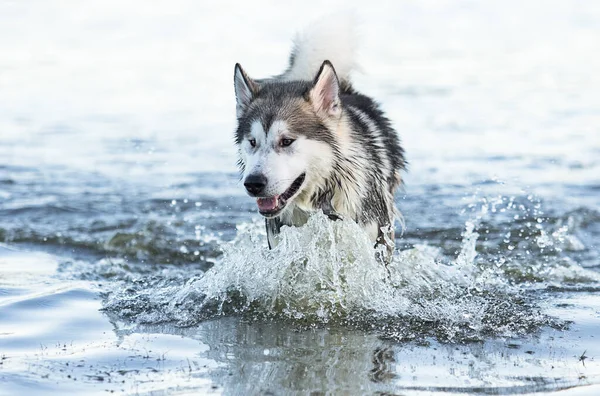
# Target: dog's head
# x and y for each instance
(286, 136)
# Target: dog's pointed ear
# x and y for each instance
(245, 89)
(325, 93)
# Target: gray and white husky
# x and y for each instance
(308, 141)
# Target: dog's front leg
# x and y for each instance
(385, 244)
(273, 226)
(329, 211)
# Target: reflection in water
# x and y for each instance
(276, 358)
(382, 365)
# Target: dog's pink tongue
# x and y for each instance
(267, 204)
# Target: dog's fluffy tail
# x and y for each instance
(330, 38)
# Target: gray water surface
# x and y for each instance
(131, 261)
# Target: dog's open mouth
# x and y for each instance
(271, 206)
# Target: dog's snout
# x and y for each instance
(255, 184)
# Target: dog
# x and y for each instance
(308, 141)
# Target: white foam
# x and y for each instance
(328, 271)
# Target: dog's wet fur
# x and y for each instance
(308, 141)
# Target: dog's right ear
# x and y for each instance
(245, 89)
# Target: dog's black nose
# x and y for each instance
(255, 184)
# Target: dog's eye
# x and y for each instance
(286, 142)
(252, 142)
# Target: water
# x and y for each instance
(131, 261)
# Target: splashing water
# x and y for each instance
(327, 273)
(328, 270)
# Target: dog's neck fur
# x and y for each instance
(340, 190)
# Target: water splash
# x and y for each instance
(327, 273)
